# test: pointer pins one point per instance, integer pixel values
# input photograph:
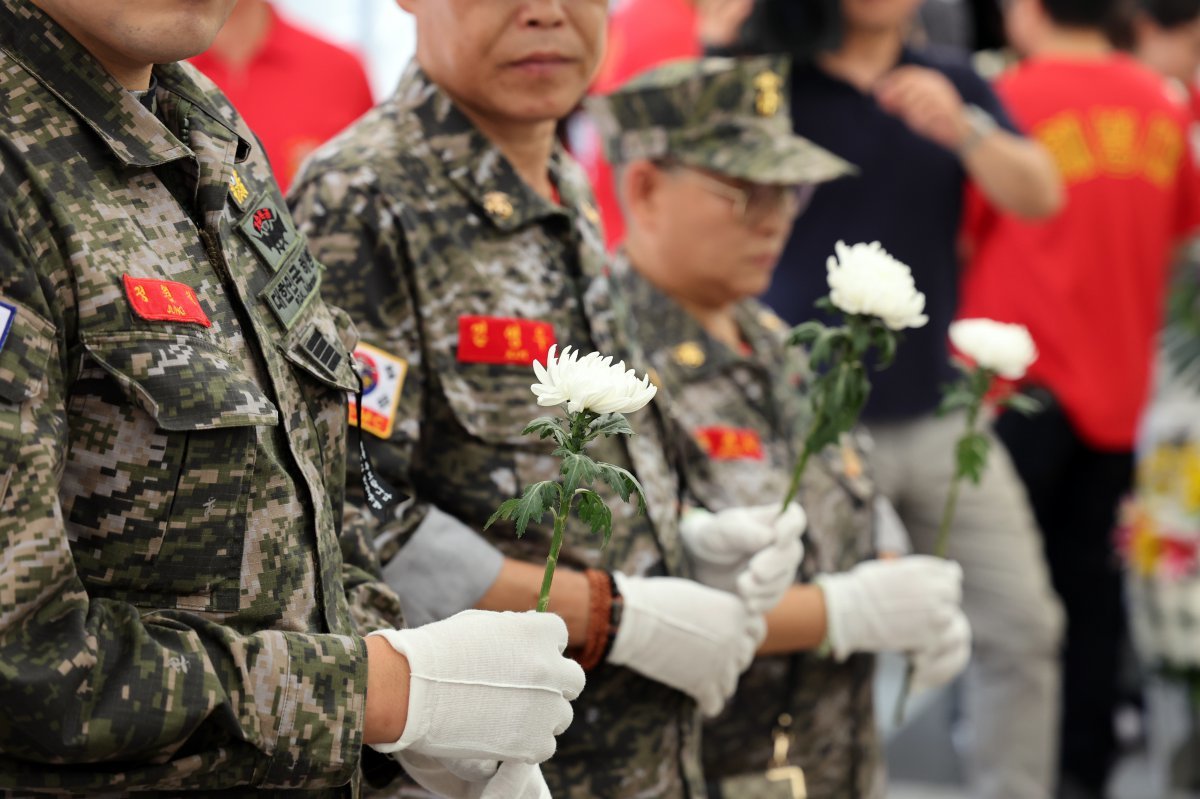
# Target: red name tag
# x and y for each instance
(730, 443)
(488, 339)
(164, 301)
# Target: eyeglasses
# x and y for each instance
(754, 203)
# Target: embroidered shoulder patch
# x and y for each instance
(164, 301)
(269, 230)
(292, 288)
(383, 379)
(7, 314)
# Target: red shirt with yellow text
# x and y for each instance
(1090, 283)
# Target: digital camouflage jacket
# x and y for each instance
(175, 611)
(458, 276)
(745, 413)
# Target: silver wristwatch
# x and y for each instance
(981, 125)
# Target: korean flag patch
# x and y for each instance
(7, 314)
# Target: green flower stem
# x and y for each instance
(797, 473)
(943, 539)
(579, 425)
(560, 526)
(942, 544)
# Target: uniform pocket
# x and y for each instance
(492, 402)
(162, 449)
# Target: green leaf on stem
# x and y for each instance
(972, 452)
(577, 470)
(955, 397)
(595, 514)
(548, 427)
(624, 483)
(609, 424)
(826, 304)
(884, 339)
(805, 334)
(532, 506)
(1021, 403)
(825, 345)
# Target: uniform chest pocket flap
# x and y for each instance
(160, 467)
(492, 402)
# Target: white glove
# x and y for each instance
(904, 605)
(475, 779)
(693, 638)
(945, 659)
(488, 686)
(753, 552)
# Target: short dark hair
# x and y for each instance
(1082, 13)
(1171, 13)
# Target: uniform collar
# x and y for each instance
(135, 136)
(472, 162)
(679, 342)
(675, 339)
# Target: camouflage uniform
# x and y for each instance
(427, 230)
(746, 414)
(174, 609)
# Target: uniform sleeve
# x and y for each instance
(356, 235)
(98, 693)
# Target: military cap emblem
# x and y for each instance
(769, 99)
(689, 354)
(498, 204)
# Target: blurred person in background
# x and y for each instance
(709, 209)
(641, 35)
(1165, 36)
(295, 90)
(1090, 286)
(464, 242)
(920, 128)
(183, 609)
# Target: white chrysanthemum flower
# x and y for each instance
(1008, 350)
(592, 382)
(865, 279)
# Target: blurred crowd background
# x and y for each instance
(301, 70)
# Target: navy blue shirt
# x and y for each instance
(908, 196)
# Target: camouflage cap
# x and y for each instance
(729, 115)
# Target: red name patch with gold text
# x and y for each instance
(730, 443)
(164, 301)
(489, 339)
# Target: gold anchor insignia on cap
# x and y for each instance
(497, 204)
(689, 353)
(770, 93)
(237, 189)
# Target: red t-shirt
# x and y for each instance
(641, 35)
(1090, 283)
(295, 94)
